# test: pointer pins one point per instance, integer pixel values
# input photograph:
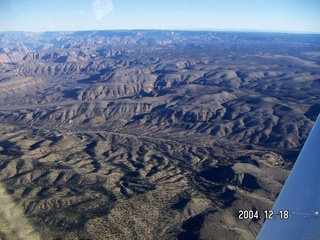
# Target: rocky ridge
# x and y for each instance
(152, 134)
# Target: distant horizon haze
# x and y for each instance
(288, 16)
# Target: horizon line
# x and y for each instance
(171, 29)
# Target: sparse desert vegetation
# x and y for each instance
(151, 134)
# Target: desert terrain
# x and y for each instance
(150, 134)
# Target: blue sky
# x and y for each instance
(70, 15)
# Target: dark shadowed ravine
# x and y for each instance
(150, 134)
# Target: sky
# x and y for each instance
(234, 15)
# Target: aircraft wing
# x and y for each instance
(296, 212)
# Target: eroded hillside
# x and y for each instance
(151, 134)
